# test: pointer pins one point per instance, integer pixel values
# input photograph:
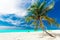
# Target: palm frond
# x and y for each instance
(34, 5)
(51, 21)
(48, 8)
(41, 6)
(51, 5)
(32, 10)
(28, 19)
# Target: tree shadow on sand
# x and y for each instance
(47, 37)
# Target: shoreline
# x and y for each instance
(8, 31)
(29, 35)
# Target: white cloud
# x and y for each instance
(7, 27)
(13, 22)
(10, 6)
(21, 12)
(9, 20)
(7, 6)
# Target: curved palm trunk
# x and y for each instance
(48, 33)
(42, 26)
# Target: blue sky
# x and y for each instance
(55, 13)
(11, 14)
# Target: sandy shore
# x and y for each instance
(29, 36)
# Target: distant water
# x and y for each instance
(3, 31)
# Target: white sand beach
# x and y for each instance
(29, 36)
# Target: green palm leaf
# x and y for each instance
(51, 21)
(28, 19)
(48, 8)
(42, 5)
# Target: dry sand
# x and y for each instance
(29, 36)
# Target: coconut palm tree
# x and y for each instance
(37, 12)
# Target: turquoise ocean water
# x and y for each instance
(4, 31)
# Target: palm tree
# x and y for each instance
(38, 12)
